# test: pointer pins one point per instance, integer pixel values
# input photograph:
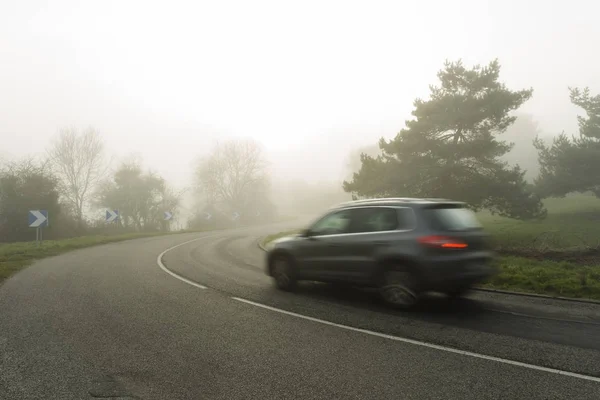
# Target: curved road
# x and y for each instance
(111, 322)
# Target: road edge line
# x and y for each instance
(425, 344)
(173, 274)
(374, 333)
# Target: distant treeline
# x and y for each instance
(75, 180)
(458, 144)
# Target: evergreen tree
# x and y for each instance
(573, 165)
(452, 149)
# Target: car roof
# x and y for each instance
(396, 201)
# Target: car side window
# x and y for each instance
(333, 224)
(407, 219)
(374, 219)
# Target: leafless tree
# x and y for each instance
(231, 174)
(78, 159)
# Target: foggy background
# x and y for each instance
(312, 81)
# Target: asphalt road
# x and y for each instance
(109, 322)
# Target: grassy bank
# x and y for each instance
(547, 277)
(572, 223)
(15, 256)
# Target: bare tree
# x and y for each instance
(231, 174)
(79, 161)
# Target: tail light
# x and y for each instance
(442, 242)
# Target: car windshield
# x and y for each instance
(452, 218)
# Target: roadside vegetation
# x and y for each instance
(557, 256)
(554, 278)
(572, 223)
(15, 256)
(79, 187)
(539, 195)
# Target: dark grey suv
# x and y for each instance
(402, 246)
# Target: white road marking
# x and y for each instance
(378, 334)
(424, 344)
(173, 274)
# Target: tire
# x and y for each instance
(282, 271)
(458, 293)
(399, 288)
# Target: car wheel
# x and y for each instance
(399, 288)
(283, 273)
(457, 293)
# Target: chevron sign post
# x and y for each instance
(112, 215)
(38, 219)
(168, 215)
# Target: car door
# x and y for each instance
(319, 256)
(371, 228)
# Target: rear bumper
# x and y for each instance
(451, 273)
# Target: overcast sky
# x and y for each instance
(309, 79)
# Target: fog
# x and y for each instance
(312, 81)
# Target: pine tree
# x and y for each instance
(452, 147)
(573, 165)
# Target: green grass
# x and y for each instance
(572, 222)
(547, 277)
(15, 256)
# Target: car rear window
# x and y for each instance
(452, 218)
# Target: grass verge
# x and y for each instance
(16, 256)
(521, 274)
(573, 223)
(552, 278)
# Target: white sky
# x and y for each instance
(310, 79)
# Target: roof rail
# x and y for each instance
(387, 199)
(355, 202)
(377, 200)
(436, 199)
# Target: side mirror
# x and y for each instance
(306, 233)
